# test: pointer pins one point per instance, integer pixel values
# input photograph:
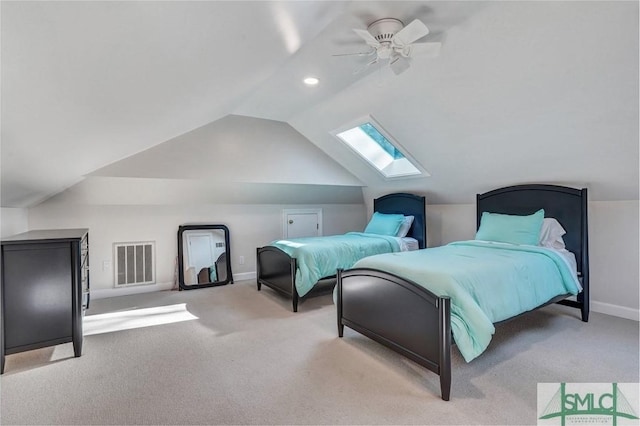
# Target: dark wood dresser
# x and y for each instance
(44, 290)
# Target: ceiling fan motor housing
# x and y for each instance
(383, 30)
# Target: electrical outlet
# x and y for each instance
(241, 260)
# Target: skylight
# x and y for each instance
(379, 149)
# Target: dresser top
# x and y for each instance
(47, 234)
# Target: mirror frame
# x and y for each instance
(181, 230)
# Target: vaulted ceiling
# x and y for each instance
(521, 92)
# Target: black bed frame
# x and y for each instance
(277, 270)
(416, 323)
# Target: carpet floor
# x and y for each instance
(233, 355)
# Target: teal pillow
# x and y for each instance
(512, 229)
(384, 224)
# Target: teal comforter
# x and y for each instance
(319, 257)
(487, 283)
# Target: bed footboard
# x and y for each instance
(399, 314)
(277, 270)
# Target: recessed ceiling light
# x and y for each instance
(311, 81)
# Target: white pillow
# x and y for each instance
(405, 226)
(551, 234)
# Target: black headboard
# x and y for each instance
(567, 205)
(406, 204)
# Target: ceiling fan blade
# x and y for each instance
(412, 32)
(365, 66)
(369, 53)
(399, 64)
(429, 50)
(366, 35)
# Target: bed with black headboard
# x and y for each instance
(277, 269)
(415, 322)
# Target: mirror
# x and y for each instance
(204, 258)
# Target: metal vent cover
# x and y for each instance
(135, 263)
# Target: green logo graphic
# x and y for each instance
(612, 404)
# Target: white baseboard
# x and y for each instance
(245, 276)
(615, 310)
(125, 291)
(600, 307)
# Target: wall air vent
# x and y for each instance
(135, 263)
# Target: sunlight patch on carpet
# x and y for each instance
(138, 318)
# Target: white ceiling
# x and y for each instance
(522, 91)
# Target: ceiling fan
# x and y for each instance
(389, 39)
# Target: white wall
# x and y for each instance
(238, 171)
(613, 249)
(613, 233)
(614, 257)
(250, 226)
(13, 221)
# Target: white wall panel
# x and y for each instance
(14, 221)
(250, 226)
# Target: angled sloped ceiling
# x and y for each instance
(236, 149)
(88, 83)
(235, 159)
(526, 91)
(523, 92)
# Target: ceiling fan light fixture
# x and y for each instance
(311, 81)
